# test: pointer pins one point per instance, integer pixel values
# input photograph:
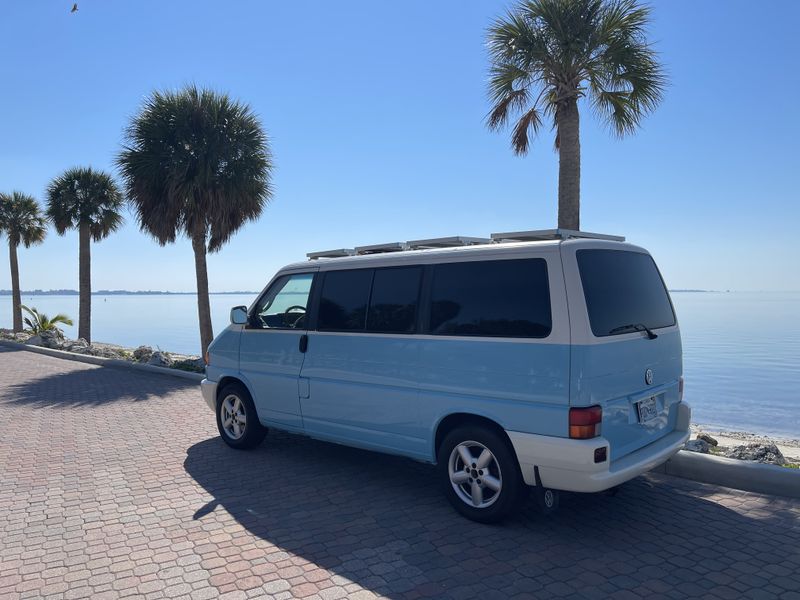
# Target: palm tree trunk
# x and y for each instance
(203, 306)
(16, 297)
(569, 165)
(84, 283)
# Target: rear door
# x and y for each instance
(626, 346)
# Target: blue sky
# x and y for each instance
(375, 112)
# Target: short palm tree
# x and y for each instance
(23, 223)
(547, 55)
(38, 322)
(196, 163)
(89, 201)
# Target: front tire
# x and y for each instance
(237, 419)
(480, 474)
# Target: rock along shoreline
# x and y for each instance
(143, 355)
(744, 445)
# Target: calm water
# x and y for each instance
(741, 350)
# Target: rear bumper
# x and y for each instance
(566, 464)
(209, 391)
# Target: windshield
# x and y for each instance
(624, 292)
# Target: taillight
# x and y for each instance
(584, 423)
(680, 388)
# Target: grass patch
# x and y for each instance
(791, 466)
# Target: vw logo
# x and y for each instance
(648, 377)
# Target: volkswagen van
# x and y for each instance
(543, 361)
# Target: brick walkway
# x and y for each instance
(114, 483)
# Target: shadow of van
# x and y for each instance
(381, 521)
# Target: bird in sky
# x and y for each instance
(74, 8)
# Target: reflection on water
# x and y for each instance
(741, 350)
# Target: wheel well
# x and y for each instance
(450, 422)
(225, 381)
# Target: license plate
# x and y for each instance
(648, 409)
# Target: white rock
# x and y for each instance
(160, 359)
(697, 446)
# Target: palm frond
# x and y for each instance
(625, 77)
(528, 123)
(61, 318)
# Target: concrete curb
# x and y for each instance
(743, 475)
(104, 362)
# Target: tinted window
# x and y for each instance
(284, 304)
(623, 290)
(508, 298)
(393, 304)
(343, 305)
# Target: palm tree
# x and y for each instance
(197, 163)
(39, 322)
(89, 201)
(546, 55)
(23, 223)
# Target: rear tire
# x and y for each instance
(237, 419)
(479, 474)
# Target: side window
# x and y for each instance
(501, 298)
(343, 304)
(284, 304)
(394, 299)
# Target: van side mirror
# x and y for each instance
(239, 315)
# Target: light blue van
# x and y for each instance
(548, 360)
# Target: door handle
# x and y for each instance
(303, 343)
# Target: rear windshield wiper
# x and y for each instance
(651, 335)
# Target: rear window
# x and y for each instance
(623, 290)
(504, 298)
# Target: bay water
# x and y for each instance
(741, 350)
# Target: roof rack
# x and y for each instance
(331, 253)
(460, 240)
(447, 242)
(381, 248)
(552, 234)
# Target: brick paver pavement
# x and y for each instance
(114, 484)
